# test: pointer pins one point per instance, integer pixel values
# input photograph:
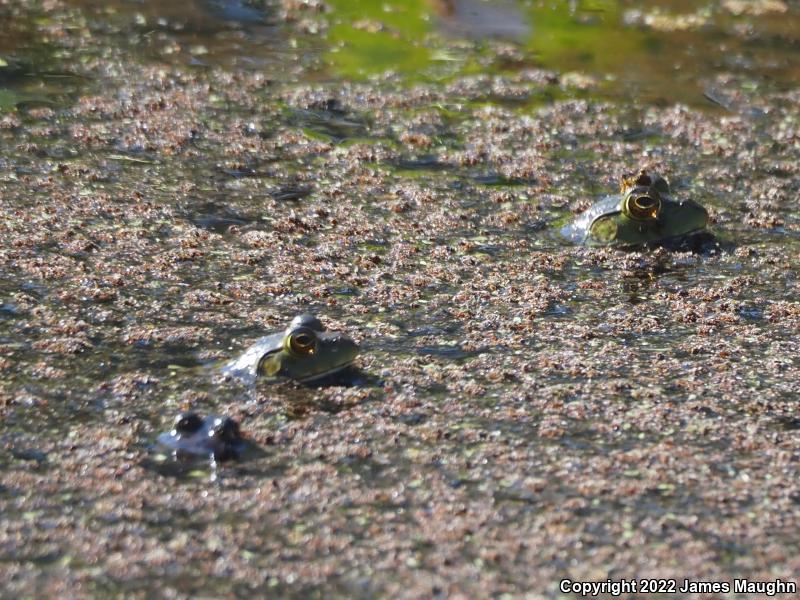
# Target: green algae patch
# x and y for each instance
(373, 37)
(360, 54)
(9, 100)
(587, 38)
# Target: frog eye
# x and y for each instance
(642, 205)
(188, 422)
(301, 342)
(225, 429)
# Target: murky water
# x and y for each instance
(177, 181)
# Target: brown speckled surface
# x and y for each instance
(531, 410)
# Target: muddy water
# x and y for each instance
(175, 183)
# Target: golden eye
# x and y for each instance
(301, 342)
(642, 206)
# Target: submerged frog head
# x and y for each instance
(644, 212)
(304, 352)
(193, 435)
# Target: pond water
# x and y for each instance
(179, 180)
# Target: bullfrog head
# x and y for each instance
(304, 352)
(213, 436)
(644, 212)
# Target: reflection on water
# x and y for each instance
(202, 33)
(191, 16)
(329, 119)
(480, 19)
(236, 11)
(27, 75)
(657, 52)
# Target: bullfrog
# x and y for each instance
(214, 436)
(644, 212)
(305, 352)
